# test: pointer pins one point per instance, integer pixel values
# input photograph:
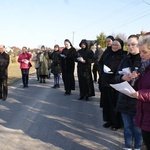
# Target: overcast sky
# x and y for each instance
(35, 22)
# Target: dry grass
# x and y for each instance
(14, 72)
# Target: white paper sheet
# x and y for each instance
(107, 70)
(124, 88)
(62, 55)
(125, 70)
(26, 61)
(80, 59)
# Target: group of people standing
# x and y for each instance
(62, 62)
(133, 112)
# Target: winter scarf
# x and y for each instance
(144, 65)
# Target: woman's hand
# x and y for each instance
(126, 77)
(135, 95)
(83, 61)
(134, 74)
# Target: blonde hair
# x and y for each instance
(144, 40)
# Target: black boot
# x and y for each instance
(44, 81)
(40, 80)
(57, 85)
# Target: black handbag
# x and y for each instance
(30, 65)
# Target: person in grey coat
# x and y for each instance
(97, 56)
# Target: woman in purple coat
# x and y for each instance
(142, 86)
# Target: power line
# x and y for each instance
(111, 13)
(126, 19)
(132, 20)
(146, 2)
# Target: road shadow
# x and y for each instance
(62, 121)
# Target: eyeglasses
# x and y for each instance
(115, 45)
(132, 44)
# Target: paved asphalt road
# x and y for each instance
(42, 118)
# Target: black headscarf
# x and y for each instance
(85, 42)
(110, 37)
(66, 40)
(120, 41)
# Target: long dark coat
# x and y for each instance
(4, 62)
(84, 73)
(67, 66)
(109, 95)
(56, 62)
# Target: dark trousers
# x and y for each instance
(95, 72)
(25, 76)
(146, 139)
(37, 74)
(3, 88)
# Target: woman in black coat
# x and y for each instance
(109, 95)
(85, 57)
(68, 64)
(108, 50)
(56, 66)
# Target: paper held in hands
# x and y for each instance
(107, 70)
(26, 61)
(62, 55)
(80, 59)
(124, 88)
(125, 71)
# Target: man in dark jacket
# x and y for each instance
(4, 62)
(127, 105)
(97, 56)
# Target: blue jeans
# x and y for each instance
(56, 78)
(131, 132)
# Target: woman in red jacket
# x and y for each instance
(24, 60)
(143, 91)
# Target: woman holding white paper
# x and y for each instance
(109, 96)
(127, 105)
(85, 58)
(142, 86)
(67, 65)
(24, 60)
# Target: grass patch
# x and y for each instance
(14, 72)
